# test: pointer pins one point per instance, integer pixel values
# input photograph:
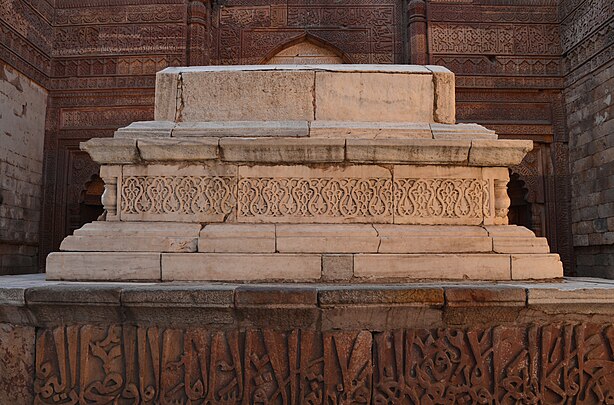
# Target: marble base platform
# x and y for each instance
(198, 343)
(357, 253)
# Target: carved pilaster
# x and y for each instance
(111, 176)
(417, 30)
(502, 201)
(199, 12)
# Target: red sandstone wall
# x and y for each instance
(98, 59)
(586, 34)
(25, 46)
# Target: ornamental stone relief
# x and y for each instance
(325, 199)
(121, 364)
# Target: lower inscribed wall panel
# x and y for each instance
(536, 363)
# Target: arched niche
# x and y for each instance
(305, 50)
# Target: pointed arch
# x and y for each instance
(305, 49)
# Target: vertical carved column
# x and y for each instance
(198, 33)
(502, 201)
(417, 26)
(111, 177)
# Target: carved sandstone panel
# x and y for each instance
(537, 363)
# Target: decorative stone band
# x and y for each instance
(401, 194)
(476, 152)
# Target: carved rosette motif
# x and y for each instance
(117, 364)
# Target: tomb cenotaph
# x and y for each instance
(315, 173)
(305, 235)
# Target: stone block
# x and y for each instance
(185, 296)
(369, 130)
(408, 151)
(248, 129)
(166, 94)
(503, 153)
(330, 238)
(103, 236)
(509, 231)
(491, 295)
(575, 293)
(275, 296)
(520, 245)
(237, 238)
(433, 239)
(536, 266)
(111, 150)
(356, 96)
(240, 267)
(261, 95)
(178, 149)
(95, 266)
(444, 93)
(461, 131)
(433, 266)
(337, 267)
(75, 293)
(282, 150)
(407, 295)
(93, 243)
(146, 129)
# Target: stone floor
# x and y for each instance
(226, 343)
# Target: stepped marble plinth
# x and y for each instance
(336, 173)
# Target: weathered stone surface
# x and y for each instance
(444, 95)
(461, 131)
(17, 359)
(410, 151)
(432, 239)
(242, 129)
(337, 267)
(326, 238)
(288, 150)
(262, 95)
(237, 238)
(373, 97)
(536, 266)
(166, 97)
(520, 245)
(240, 267)
(407, 295)
(103, 266)
(433, 266)
(467, 296)
(23, 104)
(111, 150)
(93, 293)
(504, 153)
(146, 129)
(164, 296)
(276, 295)
(178, 149)
(369, 130)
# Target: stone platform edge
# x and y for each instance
(31, 300)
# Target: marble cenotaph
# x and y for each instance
(323, 173)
